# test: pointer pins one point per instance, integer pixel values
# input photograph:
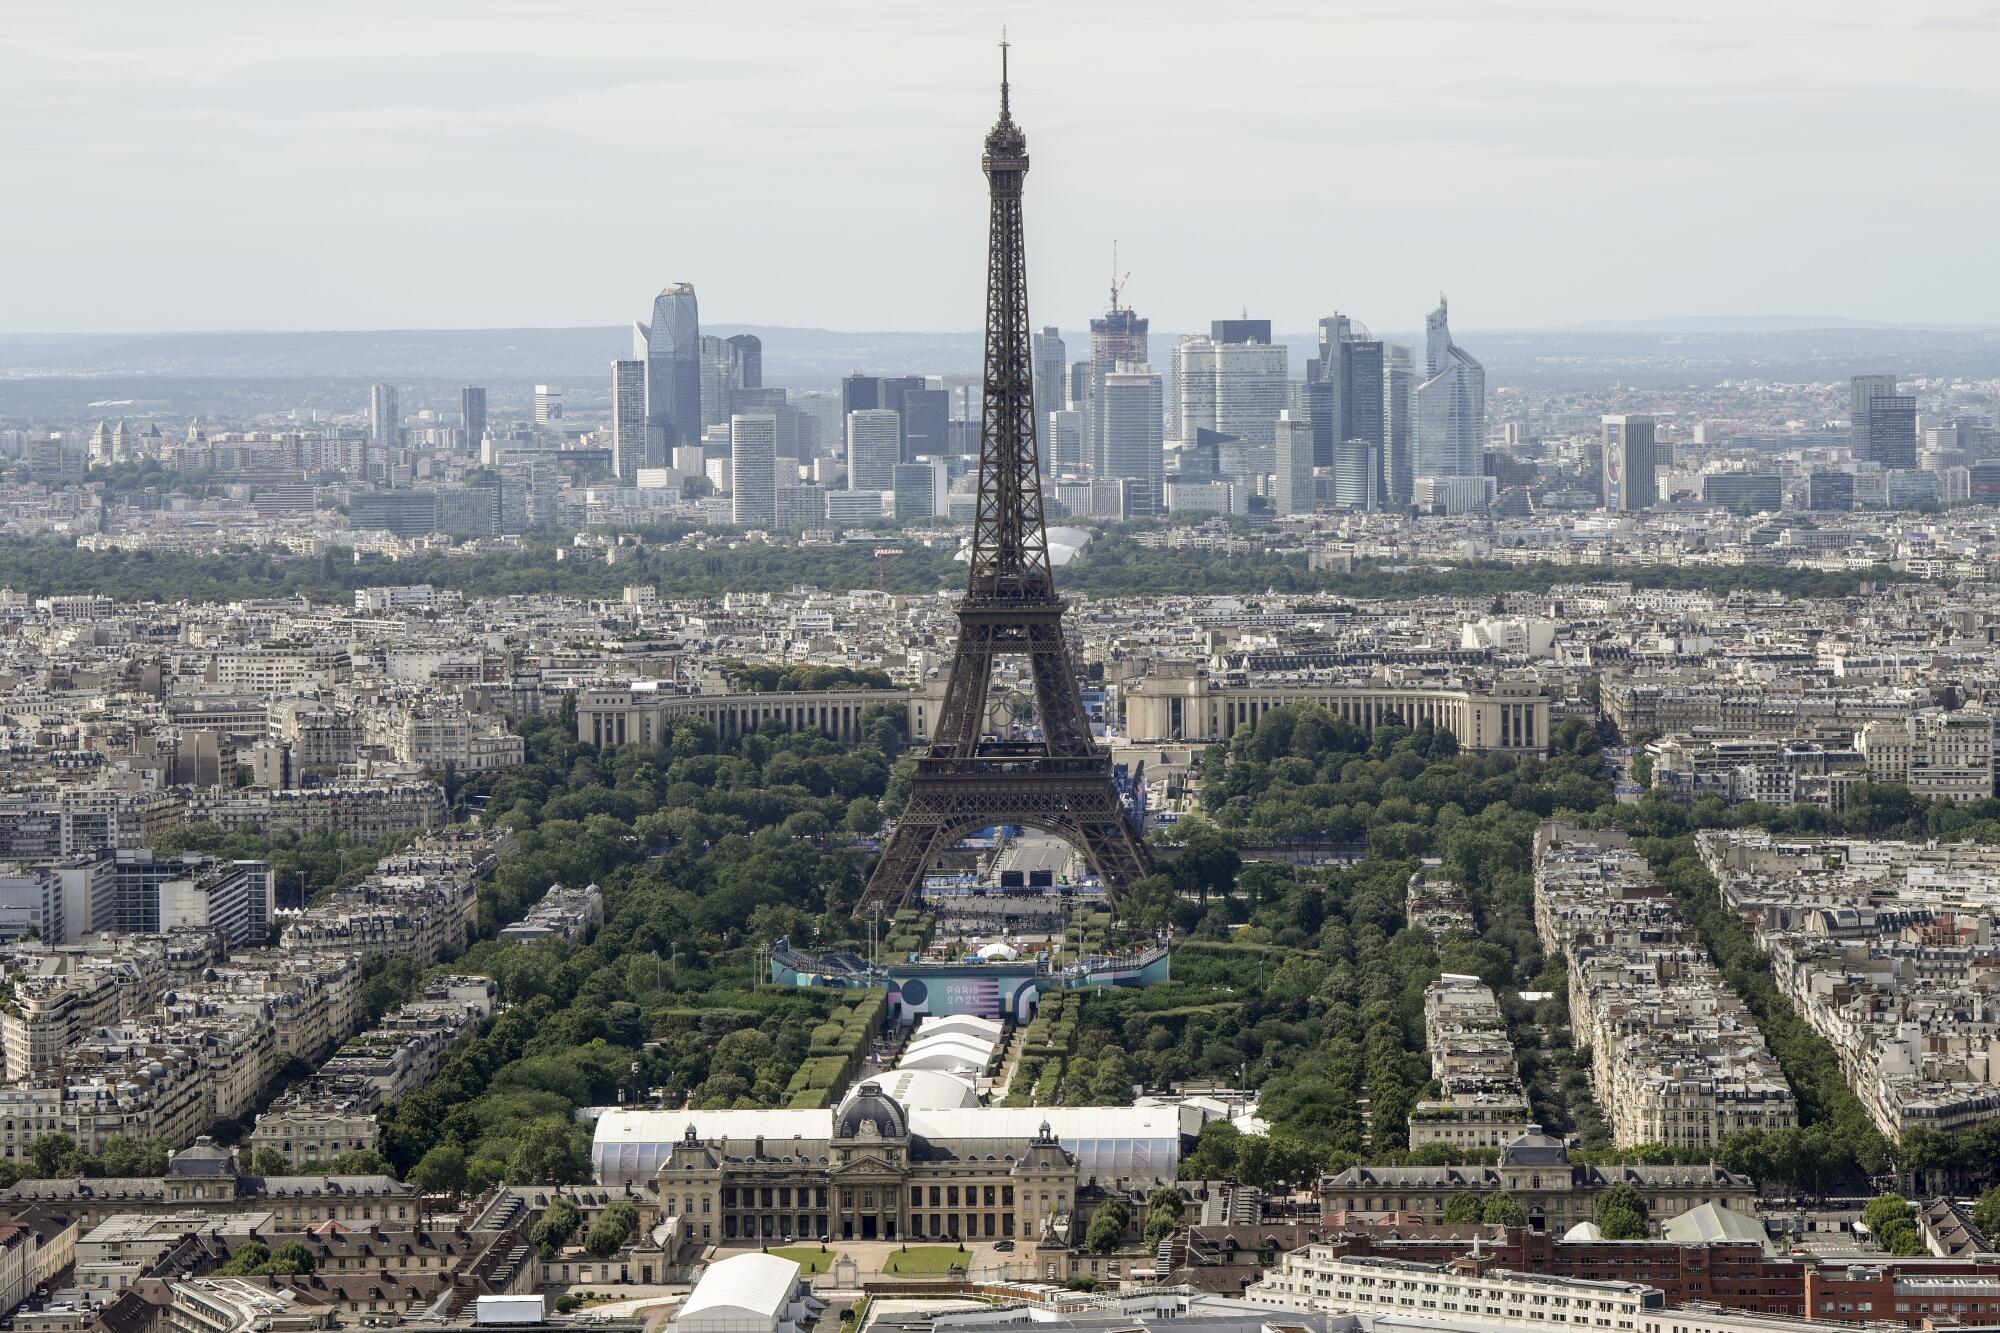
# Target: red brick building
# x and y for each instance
(1906, 1291)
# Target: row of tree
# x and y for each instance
(1114, 565)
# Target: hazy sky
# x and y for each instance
(443, 163)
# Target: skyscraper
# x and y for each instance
(897, 392)
(1051, 362)
(1357, 475)
(1134, 434)
(1882, 424)
(385, 417)
(753, 475)
(1062, 450)
(1234, 389)
(919, 490)
(1245, 330)
(859, 393)
(747, 350)
(874, 447)
(1450, 405)
(629, 435)
(1118, 338)
(1631, 479)
(926, 423)
(1293, 493)
(671, 348)
(1345, 392)
(548, 405)
(1399, 379)
(472, 419)
(1081, 395)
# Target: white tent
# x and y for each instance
(1111, 1143)
(745, 1293)
(922, 1090)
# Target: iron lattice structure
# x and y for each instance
(965, 780)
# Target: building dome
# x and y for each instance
(1535, 1148)
(874, 1108)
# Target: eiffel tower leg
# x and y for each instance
(899, 872)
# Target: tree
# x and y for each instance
(291, 1258)
(1215, 1153)
(1464, 1206)
(557, 1227)
(1986, 1212)
(547, 1155)
(1883, 1209)
(1901, 1237)
(613, 1228)
(269, 1162)
(1503, 1209)
(53, 1155)
(248, 1258)
(130, 1157)
(1107, 1227)
(1163, 1214)
(1893, 1219)
(442, 1170)
(1621, 1213)
(1207, 863)
(360, 1162)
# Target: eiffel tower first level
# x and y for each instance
(967, 780)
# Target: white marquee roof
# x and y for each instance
(757, 1284)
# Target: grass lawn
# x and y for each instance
(927, 1260)
(810, 1259)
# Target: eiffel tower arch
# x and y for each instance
(966, 780)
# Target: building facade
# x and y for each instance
(1195, 706)
(872, 1180)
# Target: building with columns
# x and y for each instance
(1192, 705)
(644, 712)
(873, 1178)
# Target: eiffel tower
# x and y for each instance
(966, 781)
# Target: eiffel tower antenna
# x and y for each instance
(966, 779)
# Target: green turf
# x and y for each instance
(929, 1260)
(810, 1258)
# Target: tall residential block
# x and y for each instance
(1134, 446)
(1293, 493)
(1631, 479)
(753, 476)
(1399, 380)
(385, 417)
(629, 436)
(472, 419)
(874, 447)
(1882, 422)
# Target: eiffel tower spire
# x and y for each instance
(969, 779)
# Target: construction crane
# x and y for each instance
(1117, 283)
(882, 554)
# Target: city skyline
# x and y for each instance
(475, 167)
